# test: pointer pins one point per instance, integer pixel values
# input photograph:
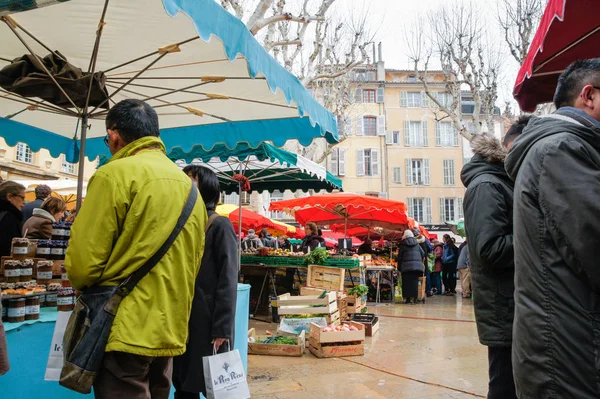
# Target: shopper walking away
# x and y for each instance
(449, 261)
(555, 165)
(251, 241)
(132, 205)
(410, 263)
(42, 192)
(39, 226)
(12, 200)
(464, 271)
(213, 310)
(488, 209)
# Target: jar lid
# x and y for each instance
(19, 240)
(12, 263)
(16, 301)
(27, 262)
(45, 263)
(66, 291)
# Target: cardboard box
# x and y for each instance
(256, 348)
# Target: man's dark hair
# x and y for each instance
(42, 191)
(133, 119)
(208, 183)
(516, 129)
(574, 79)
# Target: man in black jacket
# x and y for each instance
(488, 213)
(42, 192)
(556, 168)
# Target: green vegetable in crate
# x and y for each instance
(316, 257)
(359, 290)
(279, 340)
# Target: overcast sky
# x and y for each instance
(392, 15)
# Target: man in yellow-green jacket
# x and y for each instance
(132, 205)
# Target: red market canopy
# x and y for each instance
(250, 220)
(569, 30)
(345, 208)
(333, 237)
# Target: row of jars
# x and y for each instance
(22, 271)
(21, 309)
(61, 231)
(46, 249)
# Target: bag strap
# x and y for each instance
(211, 219)
(129, 284)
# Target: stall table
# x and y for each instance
(389, 270)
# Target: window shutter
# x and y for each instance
(334, 161)
(360, 125)
(403, 99)
(409, 179)
(389, 137)
(358, 96)
(380, 96)
(341, 162)
(348, 125)
(451, 173)
(438, 134)
(459, 205)
(426, 175)
(406, 133)
(381, 125)
(456, 143)
(442, 210)
(425, 135)
(397, 175)
(375, 161)
(360, 162)
(410, 205)
(427, 217)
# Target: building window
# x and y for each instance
(368, 96)
(392, 137)
(338, 161)
(274, 197)
(451, 209)
(415, 134)
(367, 162)
(445, 99)
(420, 209)
(68, 167)
(414, 99)
(445, 135)
(397, 175)
(449, 174)
(412, 78)
(417, 172)
(370, 126)
(24, 153)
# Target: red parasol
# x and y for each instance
(251, 220)
(345, 208)
(569, 30)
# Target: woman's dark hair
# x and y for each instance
(208, 184)
(133, 119)
(516, 129)
(54, 205)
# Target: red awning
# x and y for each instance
(569, 30)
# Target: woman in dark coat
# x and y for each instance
(12, 200)
(312, 240)
(213, 310)
(410, 262)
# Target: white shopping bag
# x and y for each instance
(224, 376)
(55, 360)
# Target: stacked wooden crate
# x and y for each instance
(309, 306)
(327, 279)
(337, 343)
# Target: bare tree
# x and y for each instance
(518, 19)
(455, 38)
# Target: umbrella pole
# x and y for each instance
(240, 226)
(346, 227)
(80, 171)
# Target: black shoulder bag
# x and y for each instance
(89, 326)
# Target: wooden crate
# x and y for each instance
(337, 344)
(330, 278)
(355, 304)
(341, 299)
(255, 348)
(312, 304)
(369, 320)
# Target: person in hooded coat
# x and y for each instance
(410, 263)
(488, 210)
(555, 164)
(251, 241)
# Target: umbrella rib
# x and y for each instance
(94, 58)
(38, 41)
(40, 104)
(146, 56)
(182, 77)
(129, 81)
(9, 23)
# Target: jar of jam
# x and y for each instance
(16, 310)
(43, 301)
(66, 299)
(64, 277)
(44, 271)
(57, 250)
(58, 232)
(32, 308)
(12, 271)
(51, 299)
(67, 231)
(26, 270)
(20, 248)
(43, 249)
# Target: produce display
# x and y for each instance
(359, 290)
(316, 257)
(340, 328)
(276, 340)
